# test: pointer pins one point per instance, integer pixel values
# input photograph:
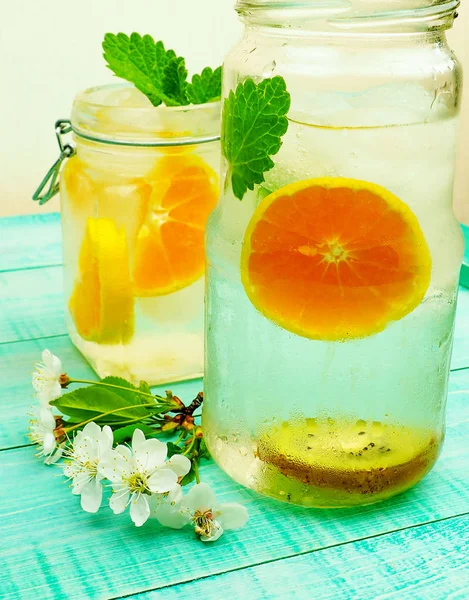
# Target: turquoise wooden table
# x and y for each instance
(415, 546)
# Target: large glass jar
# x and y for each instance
(135, 198)
(332, 284)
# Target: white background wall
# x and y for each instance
(50, 49)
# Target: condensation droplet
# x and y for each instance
(269, 69)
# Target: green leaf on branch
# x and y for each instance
(205, 87)
(203, 450)
(123, 434)
(131, 393)
(92, 401)
(189, 478)
(173, 449)
(145, 388)
(254, 122)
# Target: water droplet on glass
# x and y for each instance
(269, 69)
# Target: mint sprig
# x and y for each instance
(204, 87)
(254, 122)
(158, 73)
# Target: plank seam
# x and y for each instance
(275, 560)
(34, 268)
(43, 337)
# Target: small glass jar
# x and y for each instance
(135, 198)
(323, 386)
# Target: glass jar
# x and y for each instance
(332, 285)
(135, 198)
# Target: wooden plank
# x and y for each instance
(427, 563)
(51, 549)
(30, 242)
(31, 304)
(17, 360)
(16, 365)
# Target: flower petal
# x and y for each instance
(113, 465)
(215, 533)
(200, 497)
(53, 458)
(49, 442)
(172, 516)
(52, 362)
(139, 509)
(178, 463)
(151, 454)
(138, 439)
(92, 429)
(106, 439)
(124, 451)
(47, 418)
(119, 499)
(162, 480)
(79, 482)
(231, 515)
(91, 496)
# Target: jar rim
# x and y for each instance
(355, 12)
(96, 119)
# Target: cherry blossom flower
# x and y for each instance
(166, 509)
(89, 446)
(200, 507)
(46, 378)
(41, 432)
(137, 473)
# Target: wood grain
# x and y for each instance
(52, 549)
(30, 242)
(16, 365)
(428, 564)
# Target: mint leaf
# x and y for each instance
(253, 123)
(91, 401)
(205, 87)
(174, 82)
(140, 60)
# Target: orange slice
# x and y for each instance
(169, 249)
(334, 259)
(101, 303)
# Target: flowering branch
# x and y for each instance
(146, 476)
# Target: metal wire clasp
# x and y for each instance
(50, 183)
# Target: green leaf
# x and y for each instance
(123, 434)
(89, 402)
(130, 394)
(203, 450)
(205, 87)
(253, 124)
(145, 388)
(140, 60)
(190, 476)
(173, 449)
(174, 82)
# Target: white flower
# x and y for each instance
(166, 508)
(209, 518)
(89, 445)
(41, 432)
(46, 378)
(137, 474)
